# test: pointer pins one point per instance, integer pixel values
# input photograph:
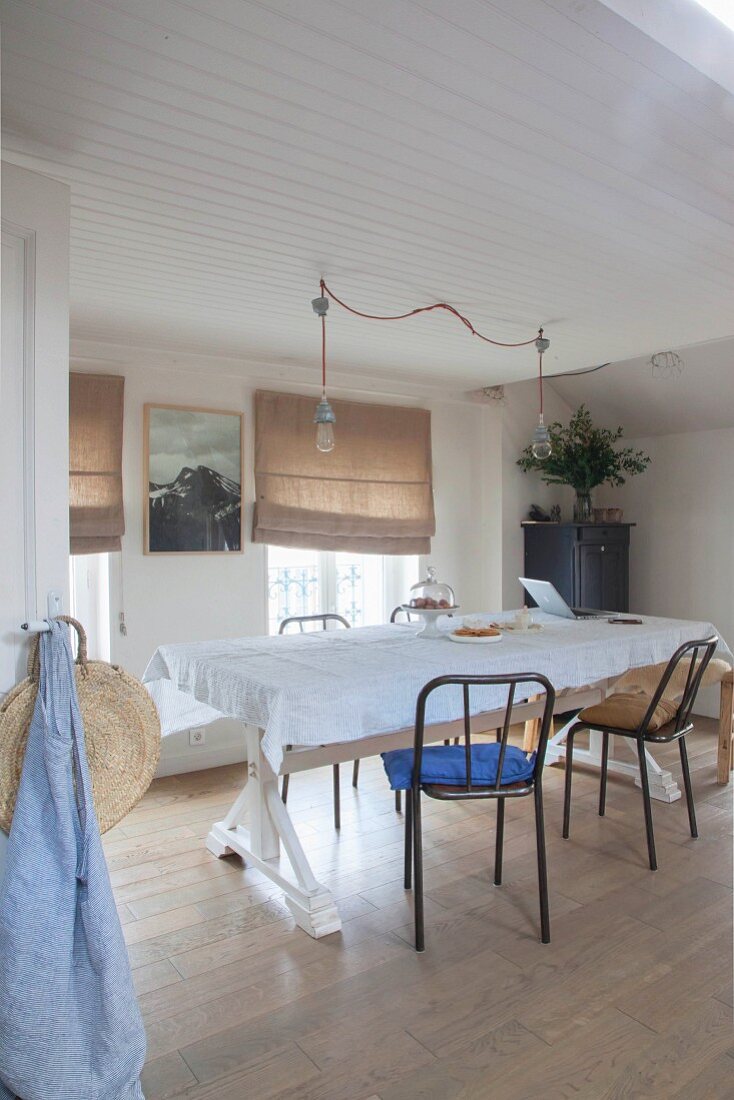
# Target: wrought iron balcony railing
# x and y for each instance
(299, 590)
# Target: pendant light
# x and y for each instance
(324, 418)
(541, 444)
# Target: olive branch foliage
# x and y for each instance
(584, 456)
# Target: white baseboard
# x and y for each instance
(197, 760)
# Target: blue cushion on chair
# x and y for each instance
(446, 764)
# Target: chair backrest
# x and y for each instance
(398, 611)
(327, 617)
(509, 680)
(697, 655)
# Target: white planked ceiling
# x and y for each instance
(699, 398)
(530, 161)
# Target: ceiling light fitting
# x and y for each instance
(494, 393)
(324, 417)
(540, 443)
(666, 364)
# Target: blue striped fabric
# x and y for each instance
(70, 1027)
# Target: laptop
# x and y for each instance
(549, 599)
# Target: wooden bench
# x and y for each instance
(725, 761)
(725, 757)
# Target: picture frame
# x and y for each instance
(193, 473)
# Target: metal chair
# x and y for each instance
(324, 618)
(718, 672)
(658, 723)
(466, 759)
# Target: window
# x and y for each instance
(89, 588)
(364, 588)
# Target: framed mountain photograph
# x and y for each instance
(193, 480)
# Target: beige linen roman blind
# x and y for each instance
(372, 494)
(96, 518)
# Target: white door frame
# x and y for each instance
(23, 243)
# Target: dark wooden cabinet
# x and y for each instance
(587, 562)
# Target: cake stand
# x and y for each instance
(430, 616)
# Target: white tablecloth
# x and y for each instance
(343, 685)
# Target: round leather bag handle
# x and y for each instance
(34, 666)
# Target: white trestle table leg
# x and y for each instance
(259, 845)
(662, 784)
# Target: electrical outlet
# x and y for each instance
(197, 736)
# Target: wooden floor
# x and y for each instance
(631, 999)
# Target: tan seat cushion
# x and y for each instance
(626, 710)
(647, 677)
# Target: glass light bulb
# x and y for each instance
(325, 437)
(541, 444)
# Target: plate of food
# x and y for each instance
(475, 635)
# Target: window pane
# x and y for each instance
(363, 588)
(89, 593)
(360, 595)
(294, 586)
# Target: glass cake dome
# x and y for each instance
(430, 595)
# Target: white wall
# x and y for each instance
(170, 599)
(467, 480)
(34, 498)
(682, 551)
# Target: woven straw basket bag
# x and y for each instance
(121, 728)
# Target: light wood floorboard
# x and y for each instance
(631, 999)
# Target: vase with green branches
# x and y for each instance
(584, 456)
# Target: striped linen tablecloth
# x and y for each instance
(344, 685)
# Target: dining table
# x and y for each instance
(312, 699)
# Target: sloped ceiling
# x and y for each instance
(531, 161)
(701, 397)
(688, 29)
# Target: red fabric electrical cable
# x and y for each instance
(425, 309)
(540, 378)
(323, 353)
